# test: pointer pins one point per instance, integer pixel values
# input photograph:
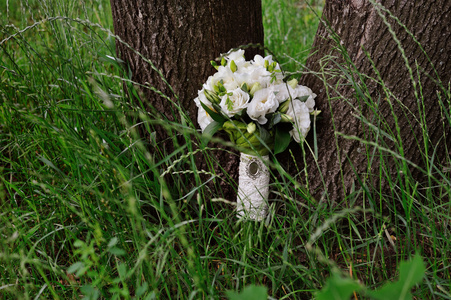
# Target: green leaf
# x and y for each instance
(257, 141)
(122, 270)
(241, 113)
(229, 103)
(338, 288)
(75, 267)
(78, 243)
(282, 140)
(245, 88)
(235, 130)
(112, 242)
(251, 292)
(213, 96)
(214, 64)
(275, 118)
(233, 66)
(151, 296)
(142, 289)
(302, 98)
(211, 129)
(214, 115)
(117, 251)
(90, 292)
(221, 87)
(284, 106)
(265, 136)
(410, 274)
(112, 60)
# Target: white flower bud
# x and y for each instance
(256, 87)
(293, 83)
(251, 127)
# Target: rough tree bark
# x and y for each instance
(181, 38)
(360, 28)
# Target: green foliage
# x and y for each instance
(342, 288)
(98, 279)
(338, 288)
(251, 292)
(290, 28)
(282, 140)
(410, 274)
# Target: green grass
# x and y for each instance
(290, 28)
(84, 210)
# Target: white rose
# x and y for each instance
(253, 75)
(236, 56)
(224, 74)
(203, 118)
(264, 102)
(239, 60)
(209, 84)
(242, 66)
(301, 119)
(238, 101)
(262, 76)
(201, 98)
(283, 91)
(260, 61)
(305, 91)
(227, 77)
(245, 68)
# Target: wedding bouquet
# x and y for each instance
(261, 114)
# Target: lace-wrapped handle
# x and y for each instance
(253, 187)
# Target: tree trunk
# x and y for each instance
(362, 34)
(181, 38)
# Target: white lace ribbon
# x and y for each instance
(253, 187)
